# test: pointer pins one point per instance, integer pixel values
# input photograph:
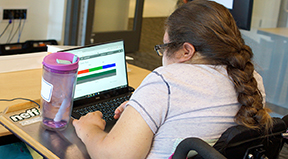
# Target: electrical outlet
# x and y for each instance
(14, 14)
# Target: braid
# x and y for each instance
(252, 112)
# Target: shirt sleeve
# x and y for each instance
(151, 100)
(260, 86)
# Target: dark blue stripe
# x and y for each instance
(169, 92)
(163, 81)
(146, 113)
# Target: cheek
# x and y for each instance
(166, 61)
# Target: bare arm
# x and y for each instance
(130, 137)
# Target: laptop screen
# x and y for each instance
(102, 68)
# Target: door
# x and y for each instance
(268, 39)
(93, 21)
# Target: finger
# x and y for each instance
(90, 114)
(117, 111)
(116, 116)
(124, 103)
(104, 122)
(75, 122)
(86, 115)
(98, 113)
(120, 108)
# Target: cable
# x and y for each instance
(18, 28)
(9, 100)
(11, 30)
(20, 31)
(5, 28)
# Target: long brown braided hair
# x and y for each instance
(211, 29)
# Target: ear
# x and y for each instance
(187, 52)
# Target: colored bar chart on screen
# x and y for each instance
(96, 73)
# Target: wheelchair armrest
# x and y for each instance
(200, 146)
(285, 135)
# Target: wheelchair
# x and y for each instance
(239, 142)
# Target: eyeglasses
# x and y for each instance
(160, 49)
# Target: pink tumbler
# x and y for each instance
(57, 89)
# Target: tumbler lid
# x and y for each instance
(50, 61)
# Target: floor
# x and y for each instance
(151, 35)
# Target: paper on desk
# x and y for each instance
(56, 48)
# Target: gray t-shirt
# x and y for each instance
(183, 100)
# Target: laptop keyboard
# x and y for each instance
(107, 108)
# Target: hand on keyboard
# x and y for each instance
(89, 123)
(119, 110)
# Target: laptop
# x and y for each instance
(102, 81)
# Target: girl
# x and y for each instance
(207, 84)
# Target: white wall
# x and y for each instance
(45, 20)
(56, 20)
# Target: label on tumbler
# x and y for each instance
(46, 90)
